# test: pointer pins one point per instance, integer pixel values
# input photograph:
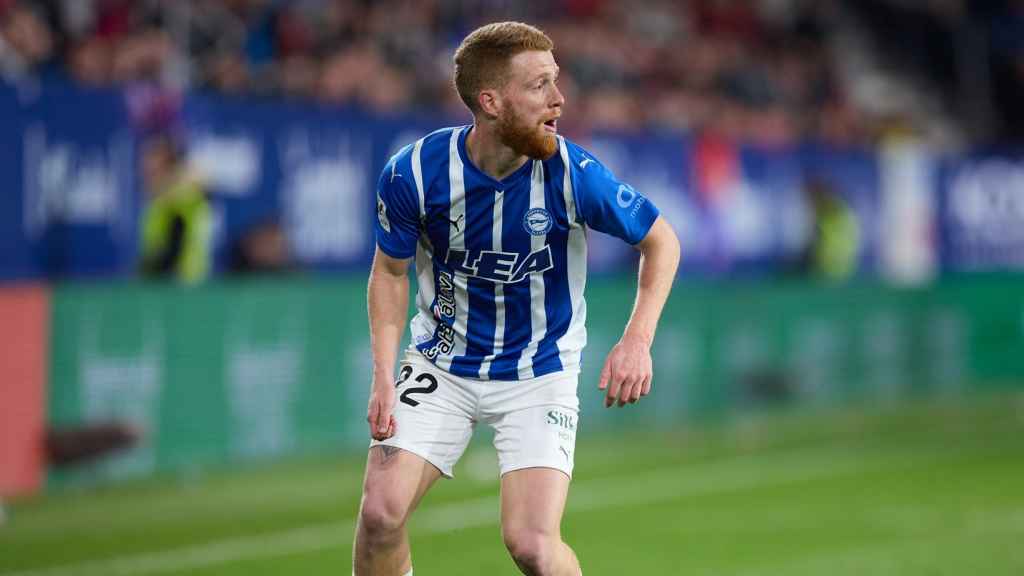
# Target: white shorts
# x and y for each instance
(534, 420)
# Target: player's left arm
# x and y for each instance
(628, 369)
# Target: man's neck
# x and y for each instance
(488, 154)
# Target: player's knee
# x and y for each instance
(533, 550)
(380, 517)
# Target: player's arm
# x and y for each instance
(388, 303)
(397, 231)
(628, 369)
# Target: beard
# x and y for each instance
(529, 140)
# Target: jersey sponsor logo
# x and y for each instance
(636, 207)
(506, 267)
(625, 195)
(382, 215)
(445, 306)
(538, 221)
(444, 312)
(445, 341)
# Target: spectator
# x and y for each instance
(26, 42)
(834, 245)
(756, 71)
(177, 222)
(89, 61)
(262, 248)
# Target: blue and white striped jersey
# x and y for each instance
(501, 265)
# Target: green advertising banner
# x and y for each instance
(735, 346)
(242, 371)
(223, 373)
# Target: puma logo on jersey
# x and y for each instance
(457, 222)
(584, 162)
(506, 267)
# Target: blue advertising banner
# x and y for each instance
(981, 213)
(72, 164)
(16, 252)
(69, 164)
(310, 171)
(80, 182)
(736, 208)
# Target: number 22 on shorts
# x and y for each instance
(423, 377)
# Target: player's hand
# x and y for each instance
(627, 372)
(379, 412)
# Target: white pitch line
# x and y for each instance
(657, 486)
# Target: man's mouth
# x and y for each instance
(551, 125)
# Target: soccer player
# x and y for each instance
(495, 215)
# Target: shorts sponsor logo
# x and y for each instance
(561, 419)
(538, 221)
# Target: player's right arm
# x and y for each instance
(387, 302)
(397, 232)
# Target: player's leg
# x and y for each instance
(532, 502)
(433, 426)
(535, 435)
(395, 482)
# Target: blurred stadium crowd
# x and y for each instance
(772, 133)
(771, 71)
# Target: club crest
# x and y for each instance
(537, 221)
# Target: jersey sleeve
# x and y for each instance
(397, 223)
(606, 204)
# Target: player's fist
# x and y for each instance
(379, 414)
(627, 372)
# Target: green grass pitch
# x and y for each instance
(924, 489)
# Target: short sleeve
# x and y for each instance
(397, 224)
(608, 205)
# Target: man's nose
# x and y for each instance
(559, 99)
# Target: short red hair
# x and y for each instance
(481, 61)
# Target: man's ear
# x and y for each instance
(490, 102)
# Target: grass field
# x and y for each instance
(925, 489)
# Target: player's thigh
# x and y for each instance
(433, 414)
(532, 502)
(394, 483)
(535, 424)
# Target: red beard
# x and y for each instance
(532, 141)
